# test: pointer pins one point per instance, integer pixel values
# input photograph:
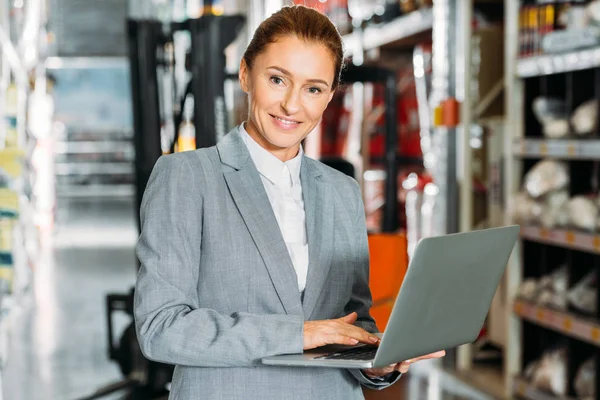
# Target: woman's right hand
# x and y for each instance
(336, 331)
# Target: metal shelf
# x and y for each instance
(523, 389)
(558, 63)
(94, 168)
(402, 31)
(566, 238)
(571, 149)
(587, 330)
(93, 147)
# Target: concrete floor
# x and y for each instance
(58, 346)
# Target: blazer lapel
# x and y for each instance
(319, 211)
(252, 201)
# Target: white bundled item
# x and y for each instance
(525, 209)
(556, 129)
(583, 212)
(546, 176)
(552, 115)
(552, 289)
(584, 117)
(585, 380)
(550, 372)
(528, 290)
(583, 296)
(554, 210)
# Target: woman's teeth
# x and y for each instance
(286, 121)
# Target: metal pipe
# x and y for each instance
(464, 354)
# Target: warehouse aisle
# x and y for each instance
(59, 347)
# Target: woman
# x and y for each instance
(251, 249)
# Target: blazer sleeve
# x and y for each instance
(361, 300)
(171, 326)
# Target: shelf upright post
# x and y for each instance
(464, 29)
(514, 106)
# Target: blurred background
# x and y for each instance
(454, 115)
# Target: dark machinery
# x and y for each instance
(210, 35)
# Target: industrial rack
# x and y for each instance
(533, 329)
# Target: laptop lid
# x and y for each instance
(446, 294)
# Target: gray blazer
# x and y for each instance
(217, 290)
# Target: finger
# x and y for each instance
(402, 367)
(339, 338)
(437, 354)
(360, 334)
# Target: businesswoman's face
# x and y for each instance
(289, 86)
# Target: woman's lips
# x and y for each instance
(284, 123)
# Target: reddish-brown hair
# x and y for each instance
(306, 24)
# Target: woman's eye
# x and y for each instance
(314, 90)
(276, 80)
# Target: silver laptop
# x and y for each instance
(444, 300)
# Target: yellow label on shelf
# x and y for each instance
(543, 148)
(518, 308)
(571, 149)
(596, 334)
(570, 237)
(597, 242)
(544, 233)
(568, 324)
(540, 315)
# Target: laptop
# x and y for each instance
(444, 300)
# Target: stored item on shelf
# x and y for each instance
(571, 39)
(554, 209)
(546, 176)
(583, 212)
(585, 380)
(584, 294)
(550, 372)
(553, 289)
(526, 210)
(528, 289)
(556, 129)
(593, 13)
(584, 117)
(547, 109)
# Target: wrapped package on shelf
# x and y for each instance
(525, 209)
(552, 289)
(554, 209)
(529, 289)
(550, 372)
(552, 114)
(584, 117)
(546, 176)
(583, 213)
(584, 294)
(585, 380)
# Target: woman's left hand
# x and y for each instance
(401, 367)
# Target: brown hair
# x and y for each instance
(306, 24)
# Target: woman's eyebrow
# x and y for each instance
(288, 73)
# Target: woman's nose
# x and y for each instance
(291, 102)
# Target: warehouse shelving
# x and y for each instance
(572, 149)
(558, 63)
(524, 390)
(404, 31)
(532, 328)
(566, 238)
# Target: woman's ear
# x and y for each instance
(243, 76)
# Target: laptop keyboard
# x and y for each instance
(363, 353)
